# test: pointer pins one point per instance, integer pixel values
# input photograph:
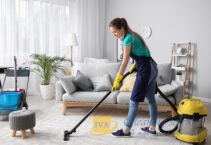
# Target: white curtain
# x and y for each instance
(33, 26)
(91, 24)
(42, 26)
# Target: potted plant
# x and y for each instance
(47, 67)
(179, 75)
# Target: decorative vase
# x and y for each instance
(179, 77)
(47, 91)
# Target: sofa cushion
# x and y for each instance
(81, 96)
(124, 98)
(164, 74)
(167, 89)
(162, 101)
(82, 82)
(101, 83)
(92, 69)
(68, 85)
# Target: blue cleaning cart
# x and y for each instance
(12, 100)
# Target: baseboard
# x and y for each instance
(208, 100)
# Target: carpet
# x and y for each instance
(50, 126)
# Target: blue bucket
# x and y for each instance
(10, 100)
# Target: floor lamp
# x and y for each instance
(70, 42)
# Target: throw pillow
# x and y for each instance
(128, 84)
(101, 83)
(68, 85)
(82, 82)
(96, 60)
(91, 69)
(164, 74)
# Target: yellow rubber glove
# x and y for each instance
(133, 67)
(117, 81)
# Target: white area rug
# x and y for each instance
(50, 128)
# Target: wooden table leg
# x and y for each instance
(13, 133)
(23, 134)
(32, 131)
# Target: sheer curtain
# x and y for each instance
(33, 26)
(91, 24)
(41, 26)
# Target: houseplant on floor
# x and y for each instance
(47, 67)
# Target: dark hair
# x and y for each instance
(118, 23)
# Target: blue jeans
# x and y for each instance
(150, 95)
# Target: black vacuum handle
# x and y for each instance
(166, 98)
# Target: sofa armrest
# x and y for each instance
(59, 91)
(178, 95)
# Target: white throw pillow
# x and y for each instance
(68, 85)
(101, 83)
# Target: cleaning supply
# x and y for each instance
(191, 114)
(11, 100)
(190, 121)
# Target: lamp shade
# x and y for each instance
(71, 40)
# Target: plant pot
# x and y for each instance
(47, 91)
(179, 77)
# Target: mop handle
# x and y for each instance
(15, 72)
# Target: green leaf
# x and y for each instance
(47, 66)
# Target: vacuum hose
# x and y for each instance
(175, 118)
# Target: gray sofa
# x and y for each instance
(71, 97)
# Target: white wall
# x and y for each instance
(171, 21)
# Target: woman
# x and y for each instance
(145, 83)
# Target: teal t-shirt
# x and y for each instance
(137, 48)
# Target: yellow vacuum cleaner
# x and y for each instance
(190, 121)
(191, 114)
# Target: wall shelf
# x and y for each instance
(181, 58)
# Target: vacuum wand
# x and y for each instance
(68, 133)
(167, 100)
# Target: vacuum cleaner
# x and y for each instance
(190, 120)
(191, 115)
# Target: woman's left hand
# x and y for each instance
(117, 81)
